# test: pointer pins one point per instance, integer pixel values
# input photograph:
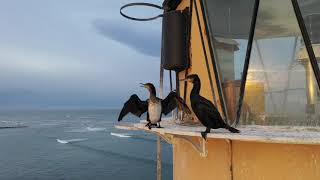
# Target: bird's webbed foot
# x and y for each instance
(149, 125)
(158, 126)
(204, 135)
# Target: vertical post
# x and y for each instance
(205, 52)
(214, 60)
(161, 96)
(247, 60)
(181, 119)
(178, 116)
(170, 74)
(158, 158)
(158, 137)
(161, 81)
(307, 41)
(173, 114)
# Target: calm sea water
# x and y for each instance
(76, 144)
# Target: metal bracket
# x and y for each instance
(199, 144)
(167, 138)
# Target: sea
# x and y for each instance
(77, 145)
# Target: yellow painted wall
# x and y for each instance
(198, 64)
(250, 161)
(189, 165)
(260, 161)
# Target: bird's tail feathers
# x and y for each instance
(233, 130)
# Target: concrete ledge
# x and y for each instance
(251, 133)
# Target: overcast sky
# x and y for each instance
(75, 53)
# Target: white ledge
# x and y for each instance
(252, 133)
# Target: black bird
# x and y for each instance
(205, 111)
(154, 106)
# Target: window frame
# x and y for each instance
(246, 61)
(305, 37)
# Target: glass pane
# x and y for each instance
(280, 87)
(310, 10)
(229, 22)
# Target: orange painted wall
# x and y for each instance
(189, 165)
(250, 161)
(261, 161)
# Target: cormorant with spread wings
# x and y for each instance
(154, 106)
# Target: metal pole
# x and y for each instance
(158, 158)
(170, 74)
(189, 52)
(161, 96)
(307, 41)
(158, 137)
(170, 78)
(247, 59)
(161, 82)
(205, 53)
(214, 61)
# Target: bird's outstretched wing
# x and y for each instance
(171, 102)
(134, 105)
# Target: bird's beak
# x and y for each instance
(142, 85)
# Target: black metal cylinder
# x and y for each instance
(174, 50)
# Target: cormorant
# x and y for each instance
(205, 111)
(154, 106)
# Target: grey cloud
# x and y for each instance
(50, 58)
(23, 98)
(146, 42)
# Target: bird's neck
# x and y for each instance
(153, 95)
(196, 88)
